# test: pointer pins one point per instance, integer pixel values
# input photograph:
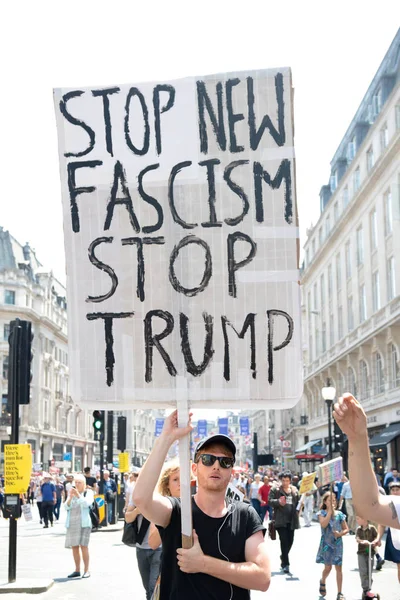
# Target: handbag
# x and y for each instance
(271, 529)
(130, 534)
(94, 514)
(156, 593)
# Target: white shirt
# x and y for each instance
(396, 532)
(254, 490)
(346, 491)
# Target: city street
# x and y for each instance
(41, 553)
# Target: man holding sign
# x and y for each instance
(228, 556)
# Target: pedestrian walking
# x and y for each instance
(110, 492)
(49, 499)
(39, 498)
(254, 494)
(90, 481)
(330, 551)
(59, 498)
(346, 497)
(229, 555)
(264, 497)
(129, 487)
(371, 505)
(79, 524)
(284, 501)
(307, 503)
(367, 539)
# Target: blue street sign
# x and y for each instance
(202, 428)
(223, 426)
(244, 425)
(159, 427)
(67, 456)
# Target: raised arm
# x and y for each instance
(153, 506)
(369, 503)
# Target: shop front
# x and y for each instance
(385, 448)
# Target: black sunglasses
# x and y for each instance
(208, 460)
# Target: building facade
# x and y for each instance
(351, 278)
(59, 431)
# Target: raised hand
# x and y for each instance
(350, 416)
(171, 428)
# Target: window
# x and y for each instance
(320, 237)
(391, 279)
(384, 137)
(377, 102)
(340, 322)
(307, 257)
(322, 291)
(323, 337)
(370, 159)
(379, 377)
(356, 179)
(313, 248)
(387, 200)
(351, 382)
(350, 315)
(336, 212)
(331, 330)
(310, 348)
(394, 375)
(364, 387)
(376, 303)
(330, 283)
(6, 332)
(333, 182)
(5, 367)
(360, 246)
(345, 197)
(341, 387)
(348, 259)
(9, 297)
(327, 226)
(374, 229)
(351, 149)
(338, 273)
(363, 303)
(315, 297)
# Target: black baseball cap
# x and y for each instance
(219, 438)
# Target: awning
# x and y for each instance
(310, 457)
(385, 436)
(308, 445)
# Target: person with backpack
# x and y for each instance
(79, 524)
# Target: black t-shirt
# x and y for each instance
(90, 481)
(232, 531)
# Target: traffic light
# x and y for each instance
(20, 342)
(98, 425)
(121, 437)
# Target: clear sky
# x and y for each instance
(333, 48)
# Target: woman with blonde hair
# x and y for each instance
(148, 551)
(79, 524)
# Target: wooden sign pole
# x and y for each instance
(184, 462)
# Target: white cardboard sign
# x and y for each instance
(181, 239)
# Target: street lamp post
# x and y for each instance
(328, 394)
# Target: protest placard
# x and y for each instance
(17, 468)
(307, 483)
(330, 471)
(233, 494)
(181, 240)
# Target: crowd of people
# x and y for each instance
(227, 552)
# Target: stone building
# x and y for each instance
(59, 431)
